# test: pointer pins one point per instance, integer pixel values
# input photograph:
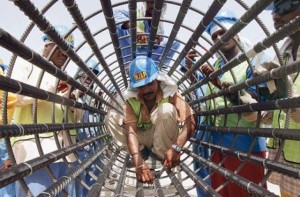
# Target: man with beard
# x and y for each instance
(283, 12)
(153, 111)
(25, 147)
(143, 28)
(239, 142)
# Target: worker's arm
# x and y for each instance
(133, 144)
(187, 131)
(143, 173)
(172, 157)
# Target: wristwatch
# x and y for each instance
(176, 147)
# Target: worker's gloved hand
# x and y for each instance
(246, 99)
(280, 90)
(144, 174)
(277, 87)
(172, 158)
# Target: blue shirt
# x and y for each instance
(125, 41)
(243, 142)
(198, 92)
(3, 152)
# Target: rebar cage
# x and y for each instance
(94, 27)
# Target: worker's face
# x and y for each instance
(58, 58)
(148, 91)
(85, 80)
(227, 46)
(149, 8)
(282, 19)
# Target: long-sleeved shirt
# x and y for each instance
(125, 41)
(29, 74)
(241, 72)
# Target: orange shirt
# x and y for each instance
(182, 107)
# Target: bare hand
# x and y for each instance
(207, 70)
(141, 37)
(233, 97)
(72, 96)
(190, 58)
(6, 164)
(144, 174)
(158, 39)
(172, 158)
(62, 86)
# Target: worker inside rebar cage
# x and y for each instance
(152, 114)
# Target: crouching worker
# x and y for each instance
(153, 111)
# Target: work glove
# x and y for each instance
(246, 99)
(276, 87)
(266, 116)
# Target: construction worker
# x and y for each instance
(5, 162)
(25, 147)
(83, 98)
(153, 111)
(87, 116)
(201, 170)
(243, 71)
(143, 26)
(283, 12)
(113, 118)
